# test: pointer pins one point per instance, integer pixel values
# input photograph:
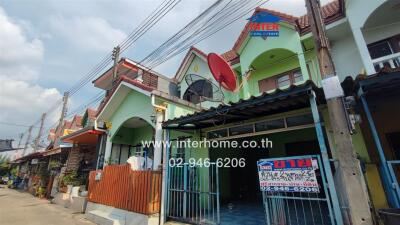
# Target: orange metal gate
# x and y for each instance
(123, 188)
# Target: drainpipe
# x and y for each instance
(153, 103)
(160, 109)
(108, 146)
(165, 180)
(387, 180)
(159, 153)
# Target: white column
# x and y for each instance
(164, 184)
(363, 50)
(107, 152)
(158, 137)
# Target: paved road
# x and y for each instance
(21, 208)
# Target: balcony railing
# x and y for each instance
(120, 187)
(392, 61)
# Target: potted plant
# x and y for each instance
(71, 180)
(41, 192)
(54, 164)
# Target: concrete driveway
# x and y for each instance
(21, 208)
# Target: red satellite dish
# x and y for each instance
(221, 71)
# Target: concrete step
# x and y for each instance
(175, 223)
(104, 218)
(106, 215)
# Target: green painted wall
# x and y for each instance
(133, 136)
(135, 104)
(174, 111)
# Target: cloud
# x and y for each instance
(21, 101)
(20, 58)
(87, 33)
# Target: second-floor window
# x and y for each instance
(280, 81)
(384, 47)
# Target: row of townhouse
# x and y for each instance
(63, 163)
(280, 99)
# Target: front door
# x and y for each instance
(193, 193)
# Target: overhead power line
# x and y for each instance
(228, 14)
(162, 10)
(155, 16)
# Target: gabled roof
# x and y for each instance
(231, 57)
(76, 122)
(67, 124)
(330, 13)
(121, 79)
(91, 113)
(193, 51)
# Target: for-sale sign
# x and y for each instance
(288, 175)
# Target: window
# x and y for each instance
(299, 120)
(217, 133)
(283, 80)
(380, 49)
(270, 125)
(297, 76)
(241, 130)
(267, 84)
(280, 81)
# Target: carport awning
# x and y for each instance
(385, 83)
(86, 136)
(295, 97)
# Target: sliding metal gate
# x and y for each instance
(294, 205)
(394, 170)
(193, 194)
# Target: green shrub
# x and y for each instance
(72, 179)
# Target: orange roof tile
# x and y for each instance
(231, 56)
(91, 113)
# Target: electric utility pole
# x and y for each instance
(115, 57)
(28, 139)
(21, 135)
(348, 173)
(63, 111)
(39, 133)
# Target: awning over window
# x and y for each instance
(86, 136)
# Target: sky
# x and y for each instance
(47, 46)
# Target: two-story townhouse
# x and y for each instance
(370, 45)
(118, 191)
(279, 80)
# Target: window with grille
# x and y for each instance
(280, 81)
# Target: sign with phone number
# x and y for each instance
(288, 175)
